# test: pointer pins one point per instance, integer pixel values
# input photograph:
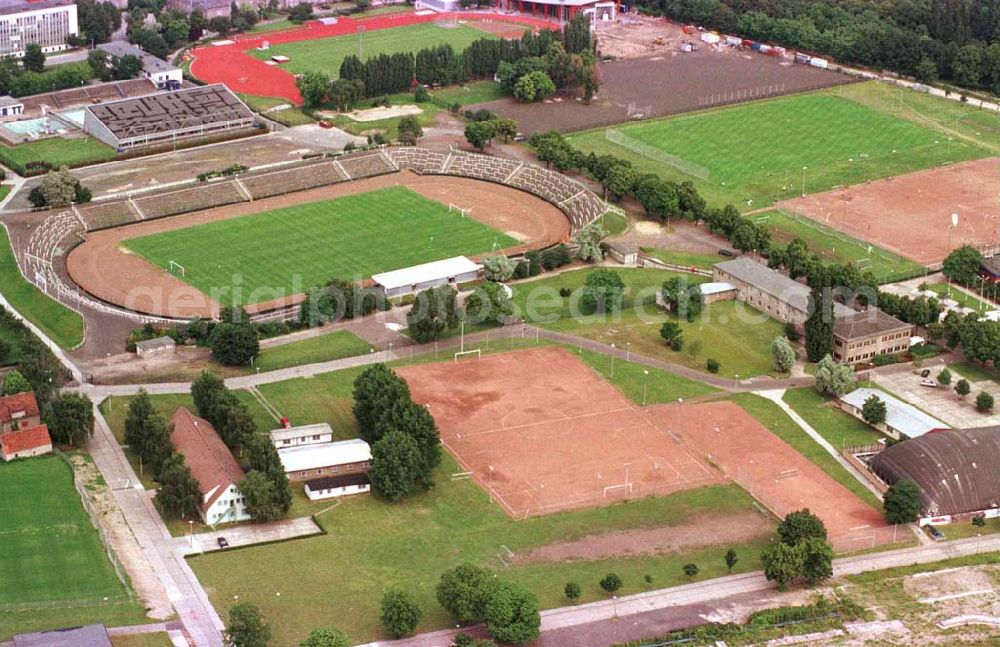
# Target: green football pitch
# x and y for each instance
(325, 55)
(287, 251)
(756, 154)
(51, 553)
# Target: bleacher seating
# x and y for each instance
(288, 180)
(483, 167)
(548, 185)
(203, 196)
(103, 215)
(368, 164)
(420, 160)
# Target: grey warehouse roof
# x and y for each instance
(775, 283)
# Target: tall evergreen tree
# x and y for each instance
(819, 325)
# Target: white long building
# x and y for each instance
(48, 23)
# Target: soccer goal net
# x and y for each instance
(176, 268)
(462, 354)
(452, 208)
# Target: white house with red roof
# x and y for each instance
(212, 465)
(19, 411)
(25, 443)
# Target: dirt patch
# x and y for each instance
(635, 36)
(911, 214)
(696, 532)
(103, 269)
(499, 28)
(375, 114)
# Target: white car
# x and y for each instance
(928, 383)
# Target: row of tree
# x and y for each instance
(955, 40)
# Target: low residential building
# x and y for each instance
(158, 71)
(212, 465)
(156, 346)
(411, 280)
(19, 411)
(622, 252)
(47, 23)
(902, 420)
(329, 487)
(860, 336)
(86, 636)
(769, 291)
(307, 462)
(302, 435)
(25, 443)
(10, 107)
(956, 472)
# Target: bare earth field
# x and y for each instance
(911, 214)
(666, 84)
(102, 268)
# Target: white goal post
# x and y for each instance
(454, 207)
(475, 351)
(174, 265)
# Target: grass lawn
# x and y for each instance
(58, 152)
(52, 554)
(972, 372)
(62, 325)
(276, 25)
(839, 141)
(289, 250)
(160, 639)
(613, 223)
(964, 300)
(733, 333)
(839, 428)
(776, 420)
(468, 94)
(291, 116)
(687, 259)
(660, 386)
(839, 248)
(325, 348)
(325, 55)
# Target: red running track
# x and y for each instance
(230, 64)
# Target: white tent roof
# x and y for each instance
(433, 271)
(309, 457)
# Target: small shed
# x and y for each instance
(302, 435)
(622, 252)
(334, 486)
(155, 346)
(10, 107)
(410, 280)
(716, 291)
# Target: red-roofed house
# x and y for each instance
(19, 411)
(212, 465)
(25, 443)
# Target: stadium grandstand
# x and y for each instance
(167, 116)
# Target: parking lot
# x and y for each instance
(942, 402)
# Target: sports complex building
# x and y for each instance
(563, 10)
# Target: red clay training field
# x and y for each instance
(230, 64)
(911, 214)
(559, 437)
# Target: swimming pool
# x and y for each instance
(36, 127)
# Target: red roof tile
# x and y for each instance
(23, 403)
(210, 461)
(14, 442)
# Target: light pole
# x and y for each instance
(954, 224)
(191, 532)
(628, 351)
(804, 169)
(645, 382)
(612, 361)
(491, 484)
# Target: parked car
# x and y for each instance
(222, 542)
(727, 253)
(931, 384)
(925, 373)
(936, 534)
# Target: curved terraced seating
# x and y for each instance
(482, 167)
(298, 178)
(420, 160)
(204, 196)
(367, 164)
(103, 215)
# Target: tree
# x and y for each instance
(433, 311)
(984, 402)
(498, 268)
(901, 502)
(488, 303)
(926, 70)
(464, 590)
(572, 590)
(206, 391)
(817, 560)
(603, 291)
(375, 391)
(34, 58)
(345, 94)
(57, 188)
(611, 582)
(260, 495)
(557, 256)
(325, 637)
(782, 354)
(301, 12)
(125, 67)
(234, 344)
(511, 614)
(979, 521)
(43, 370)
(400, 614)
(533, 86)
(409, 129)
(833, 378)
(178, 494)
(782, 564)
(963, 388)
(479, 134)
(313, 86)
(14, 383)
(690, 570)
(731, 559)
(944, 377)
(670, 332)
(70, 418)
(396, 465)
(819, 326)
(874, 410)
(146, 432)
(589, 242)
(246, 627)
(962, 265)
(801, 525)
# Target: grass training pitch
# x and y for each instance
(325, 55)
(286, 251)
(725, 152)
(52, 554)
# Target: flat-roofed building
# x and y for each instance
(157, 70)
(307, 462)
(410, 280)
(47, 23)
(860, 336)
(155, 346)
(902, 419)
(302, 435)
(329, 487)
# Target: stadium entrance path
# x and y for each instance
(653, 612)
